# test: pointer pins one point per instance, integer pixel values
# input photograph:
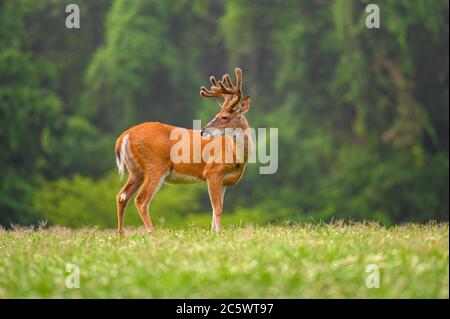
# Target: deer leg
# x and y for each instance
(216, 192)
(149, 188)
(123, 198)
(213, 225)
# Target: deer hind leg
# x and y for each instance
(149, 188)
(122, 199)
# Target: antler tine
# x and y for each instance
(237, 90)
(207, 93)
(224, 88)
(238, 73)
(214, 91)
(228, 81)
(224, 78)
(227, 86)
(213, 81)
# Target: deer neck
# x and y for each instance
(243, 142)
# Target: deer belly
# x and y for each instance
(178, 178)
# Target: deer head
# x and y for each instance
(233, 107)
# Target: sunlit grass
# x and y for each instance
(295, 261)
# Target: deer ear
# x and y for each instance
(245, 104)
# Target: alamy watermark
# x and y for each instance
(232, 145)
(373, 277)
(73, 278)
(73, 19)
(373, 18)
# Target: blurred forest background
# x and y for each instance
(363, 114)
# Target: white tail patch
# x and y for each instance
(122, 156)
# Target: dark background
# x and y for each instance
(362, 113)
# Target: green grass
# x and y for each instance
(293, 261)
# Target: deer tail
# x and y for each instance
(122, 145)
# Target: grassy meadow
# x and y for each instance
(290, 261)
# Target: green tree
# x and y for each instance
(28, 110)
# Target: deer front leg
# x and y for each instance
(216, 192)
(213, 225)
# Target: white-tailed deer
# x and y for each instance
(145, 150)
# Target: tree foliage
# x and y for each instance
(362, 113)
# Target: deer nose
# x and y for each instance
(205, 133)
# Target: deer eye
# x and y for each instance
(224, 117)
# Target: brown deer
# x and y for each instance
(145, 150)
